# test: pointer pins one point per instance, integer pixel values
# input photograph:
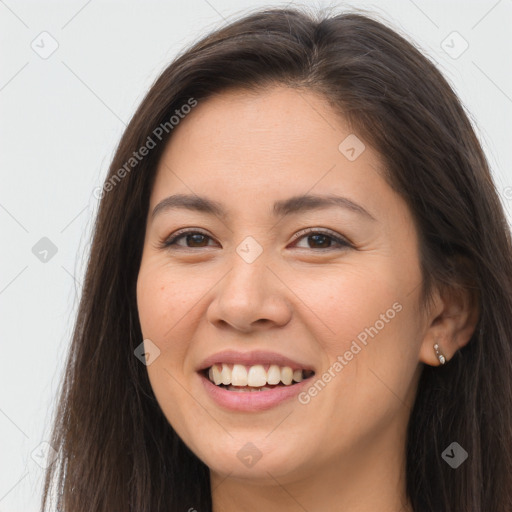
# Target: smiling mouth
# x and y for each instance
(241, 378)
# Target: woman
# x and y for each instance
(298, 295)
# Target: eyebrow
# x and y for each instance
(292, 205)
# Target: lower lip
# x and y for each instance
(252, 400)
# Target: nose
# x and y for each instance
(250, 297)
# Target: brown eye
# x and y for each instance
(193, 239)
(321, 240)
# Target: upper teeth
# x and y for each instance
(254, 376)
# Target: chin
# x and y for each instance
(246, 459)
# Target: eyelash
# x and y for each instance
(342, 243)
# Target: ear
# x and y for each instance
(450, 323)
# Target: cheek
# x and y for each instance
(170, 310)
(166, 315)
(372, 334)
(352, 301)
(162, 300)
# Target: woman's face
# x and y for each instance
(326, 286)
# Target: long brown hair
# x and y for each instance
(117, 452)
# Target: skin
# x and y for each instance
(345, 448)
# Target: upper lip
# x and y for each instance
(252, 358)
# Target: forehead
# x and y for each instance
(277, 122)
(250, 147)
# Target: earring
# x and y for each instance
(440, 356)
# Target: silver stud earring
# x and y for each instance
(440, 356)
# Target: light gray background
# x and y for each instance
(61, 118)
